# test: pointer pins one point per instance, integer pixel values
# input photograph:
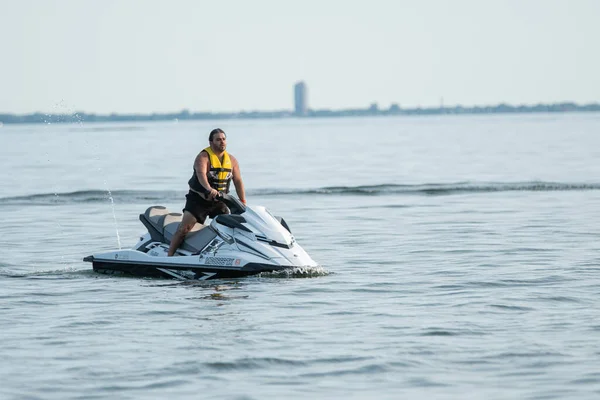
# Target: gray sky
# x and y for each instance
(142, 56)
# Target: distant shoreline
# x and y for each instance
(373, 110)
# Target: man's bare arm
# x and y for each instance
(237, 181)
(201, 165)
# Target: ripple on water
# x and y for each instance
(426, 382)
(297, 272)
(61, 273)
(524, 355)
(503, 283)
(369, 369)
(560, 299)
(587, 379)
(451, 332)
(253, 363)
(511, 307)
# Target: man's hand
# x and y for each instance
(212, 194)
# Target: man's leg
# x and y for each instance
(187, 223)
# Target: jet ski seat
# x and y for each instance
(162, 225)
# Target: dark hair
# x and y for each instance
(214, 132)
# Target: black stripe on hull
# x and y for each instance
(203, 273)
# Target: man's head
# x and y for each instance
(217, 140)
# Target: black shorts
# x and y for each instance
(201, 208)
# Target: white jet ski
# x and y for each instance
(248, 241)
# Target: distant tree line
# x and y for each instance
(372, 110)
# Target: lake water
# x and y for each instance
(460, 259)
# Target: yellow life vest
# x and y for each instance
(220, 173)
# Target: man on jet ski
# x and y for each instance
(214, 169)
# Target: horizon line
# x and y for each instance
(372, 106)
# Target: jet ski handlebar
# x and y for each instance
(235, 206)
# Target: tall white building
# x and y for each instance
(300, 99)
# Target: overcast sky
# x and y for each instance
(148, 56)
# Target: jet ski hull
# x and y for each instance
(175, 271)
